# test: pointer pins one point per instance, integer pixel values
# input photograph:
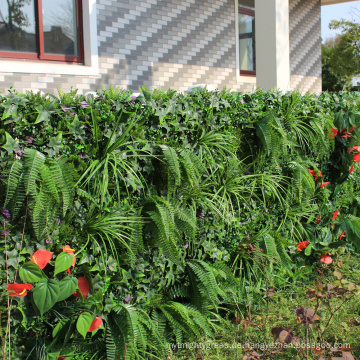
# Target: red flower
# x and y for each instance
(41, 258)
(352, 168)
(324, 184)
(342, 234)
(352, 129)
(354, 148)
(61, 358)
(84, 287)
(318, 219)
(333, 133)
(356, 157)
(346, 135)
(320, 174)
(19, 289)
(95, 324)
(312, 172)
(68, 249)
(302, 245)
(326, 259)
(335, 214)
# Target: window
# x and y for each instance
(247, 37)
(41, 30)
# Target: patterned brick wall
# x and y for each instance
(177, 44)
(166, 43)
(305, 45)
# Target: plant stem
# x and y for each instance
(332, 314)
(7, 281)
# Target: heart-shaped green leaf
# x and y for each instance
(84, 322)
(63, 262)
(31, 273)
(67, 287)
(46, 294)
(308, 249)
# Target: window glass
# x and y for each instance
(247, 35)
(60, 27)
(18, 26)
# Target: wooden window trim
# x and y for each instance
(41, 56)
(249, 12)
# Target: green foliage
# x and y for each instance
(180, 211)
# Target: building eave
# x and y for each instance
(333, 2)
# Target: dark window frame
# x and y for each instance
(250, 12)
(41, 55)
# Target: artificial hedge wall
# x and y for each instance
(144, 220)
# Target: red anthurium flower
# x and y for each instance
(312, 172)
(318, 219)
(352, 168)
(346, 135)
(326, 259)
(335, 214)
(95, 324)
(302, 245)
(19, 289)
(84, 287)
(41, 258)
(354, 148)
(342, 234)
(333, 133)
(356, 157)
(68, 249)
(324, 184)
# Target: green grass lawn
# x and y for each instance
(253, 338)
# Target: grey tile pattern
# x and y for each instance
(305, 45)
(155, 43)
(177, 44)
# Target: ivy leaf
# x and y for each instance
(44, 115)
(63, 262)
(56, 142)
(10, 110)
(30, 273)
(13, 258)
(76, 128)
(46, 294)
(83, 324)
(67, 287)
(11, 144)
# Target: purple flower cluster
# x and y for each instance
(6, 232)
(18, 152)
(65, 109)
(84, 104)
(84, 155)
(29, 139)
(127, 299)
(6, 214)
(200, 214)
